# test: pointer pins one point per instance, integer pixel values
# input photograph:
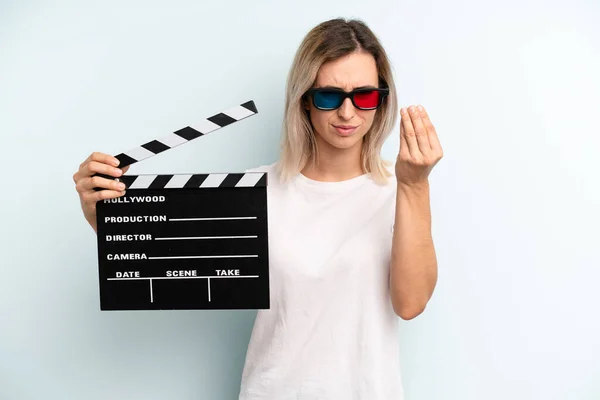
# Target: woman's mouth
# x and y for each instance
(345, 130)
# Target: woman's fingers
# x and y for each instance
(101, 158)
(404, 151)
(91, 175)
(433, 136)
(97, 163)
(409, 134)
(96, 167)
(90, 198)
(420, 130)
(91, 182)
(88, 178)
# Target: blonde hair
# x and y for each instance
(329, 41)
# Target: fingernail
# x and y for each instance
(121, 186)
(412, 108)
(119, 171)
(116, 161)
(421, 108)
(403, 111)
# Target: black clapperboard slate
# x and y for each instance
(185, 241)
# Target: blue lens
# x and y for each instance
(328, 99)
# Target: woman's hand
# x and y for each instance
(97, 163)
(420, 149)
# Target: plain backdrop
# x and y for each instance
(512, 88)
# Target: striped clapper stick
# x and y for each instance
(184, 241)
(188, 133)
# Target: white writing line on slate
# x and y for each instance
(206, 237)
(181, 257)
(210, 219)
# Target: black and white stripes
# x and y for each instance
(188, 133)
(185, 181)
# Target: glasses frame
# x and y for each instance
(383, 93)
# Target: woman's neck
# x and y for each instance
(334, 164)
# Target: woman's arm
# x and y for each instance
(413, 273)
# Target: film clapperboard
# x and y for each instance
(185, 241)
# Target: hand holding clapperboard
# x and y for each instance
(185, 241)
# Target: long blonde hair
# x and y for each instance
(329, 41)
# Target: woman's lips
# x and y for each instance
(345, 130)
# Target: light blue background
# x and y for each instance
(510, 86)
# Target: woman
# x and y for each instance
(350, 240)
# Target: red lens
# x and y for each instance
(368, 99)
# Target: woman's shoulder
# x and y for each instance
(269, 168)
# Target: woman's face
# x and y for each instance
(345, 127)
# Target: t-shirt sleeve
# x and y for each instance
(261, 168)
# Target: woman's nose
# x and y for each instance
(346, 110)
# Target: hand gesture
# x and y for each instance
(420, 148)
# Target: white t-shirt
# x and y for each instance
(331, 332)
